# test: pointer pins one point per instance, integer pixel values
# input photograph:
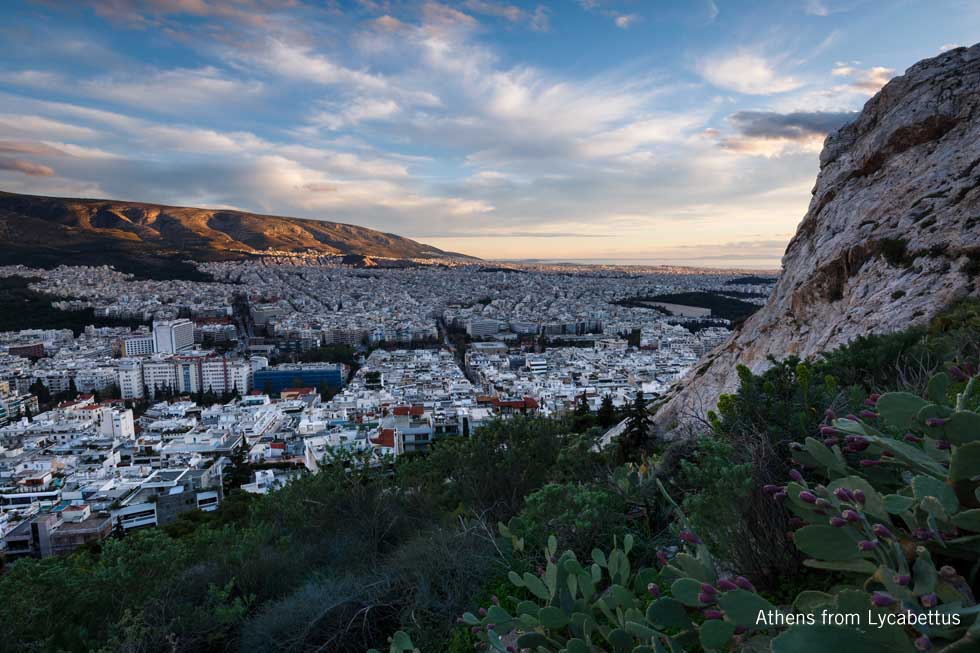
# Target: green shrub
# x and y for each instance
(580, 516)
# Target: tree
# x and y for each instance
(635, 435)
(607, 412)
(634, 338)
(39, 390)
(72, 389)
(583, 418)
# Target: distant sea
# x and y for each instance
(723, 264)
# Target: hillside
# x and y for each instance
(890, 238)
(49, 230)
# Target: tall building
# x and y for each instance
(159, 375)
(137, 346)
(130, 373)
(173, 336)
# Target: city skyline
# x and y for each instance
(573, 130)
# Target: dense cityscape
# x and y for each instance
(278, 364)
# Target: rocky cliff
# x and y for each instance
(891, 236)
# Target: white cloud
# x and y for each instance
(866, 81)
(39, 127)
(624, 21)
(170, 91)
(816, 8)
(355, 112)
(746, 72)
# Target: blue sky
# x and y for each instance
(683, 131)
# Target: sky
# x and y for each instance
(685, 132)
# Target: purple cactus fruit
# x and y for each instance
(929, 600)
(779, 496)
(711, 613)
(851, 515)
(922, 643)
(843, 494)
(796, 522)
(858, 445)
(970, 369)
(881, 531)
(823, 504)
(740, 630)
(796, 475)
(689, 537)
(460, 620)
(837, 522)
(495, 600)
(708, 588)
(829, 414)
(491, 626)
(868, 545)
(882, 599)
(913, 438)
(936, 421)
(654, 590)
(744, 583)
(808, 497)
(947, 572)
(726, 585)
(869, 462)
(829, 442)
(859, 496)
(705, 597)
(922, 534)
(770, 489)
(901, 579)
(662, 557)
(483, 612)
(852, 417)
(868, 414)
(943, 445)
(475, 629)
(957, 374)
(887, 453)
(828, 430)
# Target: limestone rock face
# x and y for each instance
(891, 236)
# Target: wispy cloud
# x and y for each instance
(26, 167)
(746, 72)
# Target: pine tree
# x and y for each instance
(607, 412)
(583, 415)
(39, 390)
(635, 435)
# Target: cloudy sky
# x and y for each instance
(679, 131)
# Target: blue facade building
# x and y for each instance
(292, 375)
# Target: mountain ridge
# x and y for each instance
(41, 228)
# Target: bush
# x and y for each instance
(736, 519)
(580, 516)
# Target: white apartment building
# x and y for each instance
(92, 379)
(159, 374)
(117, 424)
(130, 379)
(173, 336)
(482, 328)
(223, 375)
(137, 346)
(537, 364)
